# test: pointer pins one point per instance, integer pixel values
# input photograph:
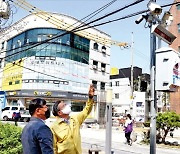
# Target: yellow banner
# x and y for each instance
(114, 71)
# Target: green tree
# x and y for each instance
(10, 142)
(165, 122)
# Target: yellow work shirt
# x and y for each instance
(67, 138)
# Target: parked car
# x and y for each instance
(7, 113)
(25, 116)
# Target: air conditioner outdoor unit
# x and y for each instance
(94, 67)
(103, 51)
(103, 69)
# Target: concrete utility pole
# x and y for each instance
(108, 121)
(156, 29)
(153, 96)
(153, 105)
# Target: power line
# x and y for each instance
(45, 41)
(128, 16)
(111, 13)
(80, 29)
(125, 17)
(76, 29)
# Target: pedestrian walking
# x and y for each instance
(128, 128)
(66, 128)
(37, 137)
(16, 116)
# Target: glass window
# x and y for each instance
(179, 27)
(6, 108)
(116, 95)
(21, 109)
(95, 46)
(80, 42)
(178, 6)
(94, 84)
(51, 49)
(103, 67)
(2, 47)
(77, 107)
(19, 40)
(17, 82)
(66, 39)
(102, 86)
(103, 49)
(95, 62)
(9, 45)
(14, 108)
(117, 83)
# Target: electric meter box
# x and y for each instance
(167, 76)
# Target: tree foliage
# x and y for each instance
(10, 142)
(165, 122)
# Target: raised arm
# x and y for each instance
(89, 105)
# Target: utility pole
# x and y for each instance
(108, 121)
(153, 105)
(132, 85)
(156, 29)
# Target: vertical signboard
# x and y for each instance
(176, 74)
(2, 101)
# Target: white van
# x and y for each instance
(7, 112)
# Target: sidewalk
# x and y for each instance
(97, 136)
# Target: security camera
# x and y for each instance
(167, 19)
(154, 8)
(141, 18)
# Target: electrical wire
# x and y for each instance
(74, 30)
(128, 16)
(111, 21)
(125, 17)
(99, 10)
(118, 19)
(111, 13)
(56, 21)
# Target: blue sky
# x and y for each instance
(120, 31)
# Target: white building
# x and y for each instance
(61, 68)
(121, 95)
(122, 103)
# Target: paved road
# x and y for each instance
(97, 136)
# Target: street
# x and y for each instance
(95, 137)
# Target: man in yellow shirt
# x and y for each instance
(66, 129)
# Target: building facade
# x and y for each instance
(61, 68)
(121, 95)
(175, 29)
(123, 103)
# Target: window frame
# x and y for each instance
(178, 26)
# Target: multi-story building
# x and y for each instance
(123, 102)
(121, 95)
(61, 68)
(175, 29)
